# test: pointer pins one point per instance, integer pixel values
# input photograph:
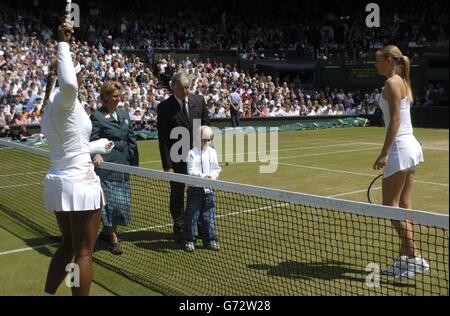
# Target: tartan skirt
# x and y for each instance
(117, 210)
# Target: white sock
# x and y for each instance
(48, 294)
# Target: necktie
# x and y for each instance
(185, 110)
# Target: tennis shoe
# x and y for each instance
(395, 267)
(214, 245)
(189, 246)
(416, 265)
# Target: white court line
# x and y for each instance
(342, 171)
(149, 162)
(170, 224)
(149, 228)
(429, 148)
(218, 216)
(21, 174)
(328, 153)
(274, 151)
(246, 211)
(298, 148)
(257, 209)
(353, 173)
(252, 210)
(311, 147)
(20, 185)
(27, 249)
(353, 192)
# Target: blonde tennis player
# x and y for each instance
(400, 155)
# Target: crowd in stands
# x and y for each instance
(434, 93)
(27, 46)
(342, 33)
(264, 96)
(310, 28)
(24, 68)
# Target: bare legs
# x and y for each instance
(397, 192)
(79, 232)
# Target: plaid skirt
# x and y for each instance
(117, 210)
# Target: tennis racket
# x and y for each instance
(374, 193)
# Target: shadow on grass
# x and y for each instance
(329, 271)
(148, 240)
(18, 226)
(38, 243)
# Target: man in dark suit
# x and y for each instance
(114, 123)
(179, 111)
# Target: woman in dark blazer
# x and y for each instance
(114, 123)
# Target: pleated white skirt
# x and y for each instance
(76, 190)
(404, 154)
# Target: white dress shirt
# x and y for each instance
(203, 163)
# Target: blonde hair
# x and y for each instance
(108, 89)
(203, 132)
(206, 132)
(402, 66)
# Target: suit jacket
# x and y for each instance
(121, 132)
(170, 116)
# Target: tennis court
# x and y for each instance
(337, 163)
(333, 163)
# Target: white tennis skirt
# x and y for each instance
(404, 154)
(66, 193)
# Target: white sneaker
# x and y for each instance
(214, 245)
(395, 268)
(189, 246)
(420, 264)
(416, 265)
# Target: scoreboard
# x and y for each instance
(365, 71)
(354, 74)
(349, 74)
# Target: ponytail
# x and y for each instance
(403, 66)
(405, 73)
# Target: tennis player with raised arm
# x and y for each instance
(71, 187)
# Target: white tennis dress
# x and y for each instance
(71, 183)
(406, 152)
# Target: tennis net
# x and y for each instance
(272, 242)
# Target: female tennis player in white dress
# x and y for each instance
(71, 187)
(399, 157)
